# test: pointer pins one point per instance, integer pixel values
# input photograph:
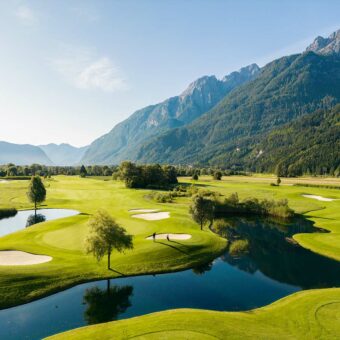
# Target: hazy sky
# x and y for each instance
(71, 70)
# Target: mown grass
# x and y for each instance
(63, 239)
(311, 314)
(305, 315)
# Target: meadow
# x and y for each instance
(308, 314)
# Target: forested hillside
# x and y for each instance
(307, 145)
(125, 139)
(286, 89)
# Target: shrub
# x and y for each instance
(161, 197)
(217, 175)
(239, 247)
(4, 213)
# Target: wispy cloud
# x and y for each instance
(26, 15)
(86, 70)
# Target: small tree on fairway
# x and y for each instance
(202, 210)
(105, 236)
(82, 171)
(278, 181)
(217, 175)
(36, 192)
(195, 176)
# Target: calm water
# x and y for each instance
(271, 268)
(25, 218)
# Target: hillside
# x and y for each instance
(286, 89)
(307, 145)
(64, 154)
(22, 154)
(123, 141)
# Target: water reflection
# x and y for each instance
(271, 251)
(105, 305)
(34, 219)
(270, 269)
(200, 270)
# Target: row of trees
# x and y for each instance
(147, 176)
(203, 209)
(12, 170)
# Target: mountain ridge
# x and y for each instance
(200, 96)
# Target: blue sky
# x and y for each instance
(71, 70)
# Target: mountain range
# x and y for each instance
(50, 154)
(282, 115)
(125, 139)
(64, 154)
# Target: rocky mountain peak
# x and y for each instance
(199, 84)
(326, 46)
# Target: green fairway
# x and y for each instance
(311, 314)
(308, 314)
(63, 239)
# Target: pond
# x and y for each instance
(26, 218)
(270, 268)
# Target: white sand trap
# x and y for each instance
(153, 216)
(319, 198)
(21, 258)
(143, 210)
(171, 237)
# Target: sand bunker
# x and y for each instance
(319, 198)
(153, 216)
(21, 258)
(143, 210)
(171, 237)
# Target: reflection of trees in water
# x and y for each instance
(105, 305)
(34, 219)
(199, 270)
(270, 253)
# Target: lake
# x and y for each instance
(270, 268)
(25, 218)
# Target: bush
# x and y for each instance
(217, 175)
(4, 213)
(239, 247)
(253, 206)
(161, 197)
(195, 177)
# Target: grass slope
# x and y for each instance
(305, 315)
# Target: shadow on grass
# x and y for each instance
(174, 247)
(116, 271)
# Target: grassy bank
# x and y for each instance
(311, 314)
(63, 239)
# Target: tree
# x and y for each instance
(83, 171)
(36, 192)
(278, 180)
(105, 236)
(195, 176)
(202, 210)
(217, 175)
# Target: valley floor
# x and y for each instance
(309, 314)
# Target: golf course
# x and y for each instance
(307, 314)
